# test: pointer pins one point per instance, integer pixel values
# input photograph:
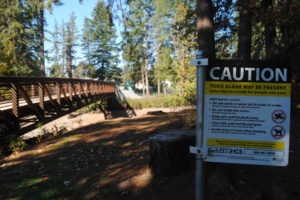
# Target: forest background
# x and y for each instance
(159, 38)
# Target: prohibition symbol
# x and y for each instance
(278, 132)
(278, 116)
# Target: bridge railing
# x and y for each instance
(34, 92)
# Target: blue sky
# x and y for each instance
(63, 12)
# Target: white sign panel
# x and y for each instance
(247, 115)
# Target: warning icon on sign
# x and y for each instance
(278, 132)
(278, 116)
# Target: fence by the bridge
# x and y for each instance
(20, 95)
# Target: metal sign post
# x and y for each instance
(200, 62)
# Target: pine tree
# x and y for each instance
(63, 54)
(103, 40)
(161, 23)
(18, 38)
(136, 45)
(84, 70)
(184, 40)
(86, 40)
(41, 5)
(55, 40)
(70, 43)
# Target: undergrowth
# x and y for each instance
(159, 102)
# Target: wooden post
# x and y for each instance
(46, 89)
(79, 91)
(58, 93)
(32, 90)
(15, 102)
(70, 92)
(25, 96)
(41, 97)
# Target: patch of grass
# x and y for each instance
(63, 143)
(107, 143)
(31, 182)
(38, 188)
(103, 180)
(39, 124)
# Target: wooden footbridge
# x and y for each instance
(28, 100)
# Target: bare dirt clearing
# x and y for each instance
(109, 160)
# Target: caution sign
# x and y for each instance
(247, 112)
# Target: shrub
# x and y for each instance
(159, 102)
(15, 144)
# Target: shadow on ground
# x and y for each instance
(109, 160)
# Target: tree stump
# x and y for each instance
(169, 152)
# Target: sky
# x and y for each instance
(64, 12)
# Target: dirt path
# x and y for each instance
(109, 160)
(76, 120)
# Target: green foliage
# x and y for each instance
(97, 105)
(163, 68)
(56, 70)
(134, 37)
(184, 39)
(15, 143)
(159, 102)
(100, 42)
(84, 70)
(18, 38)
(39, 124)
(70, 43)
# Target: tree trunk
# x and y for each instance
(42, 37)
(270, 32)
(143, 80)
(205, 28)
(158, 70)
(146, 51)
(165, 89)
(158, 86)
(69, 60)
(245, 30)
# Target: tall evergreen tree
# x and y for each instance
(56, 44)
(84, 70)
(103, 40)
(63, 53)
(86, 40)
(18, 38)
(136, 48)
(184, 39)
(42, 5)
(161, 23)
(71, 43)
